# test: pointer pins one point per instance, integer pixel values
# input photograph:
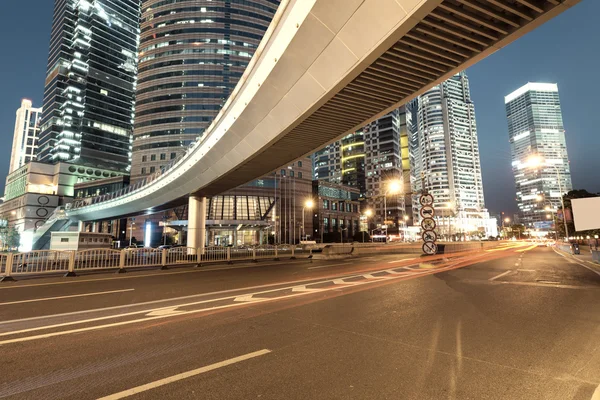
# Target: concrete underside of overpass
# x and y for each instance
(324, 69)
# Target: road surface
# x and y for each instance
(518, 322)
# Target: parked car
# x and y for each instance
(164, 247)
(131, 247)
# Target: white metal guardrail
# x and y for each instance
(70, 262)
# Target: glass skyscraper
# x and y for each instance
(535, 128)
(445, 149)
(90, 84)
(192, 55)
(445, 159)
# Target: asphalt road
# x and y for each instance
(519, 322)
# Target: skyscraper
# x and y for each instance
(387, 157)
(343, 162)
(445, 157)
(27, 127)
(90, 84)
(535, 128)
(192, 55)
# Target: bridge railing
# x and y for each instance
(50, 262)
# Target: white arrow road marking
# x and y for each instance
(248, 298)
(164, 311)
(302, 289)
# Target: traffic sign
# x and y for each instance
(427, 212)
(429, 248)
(428, 224)
(429, 236)
(426, 199)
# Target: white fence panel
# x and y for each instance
(214, 254)
(266, 251)
(143, 257)
(36, 262)
(182, 255)
(97, 259)
(241, 253)
(3, 260)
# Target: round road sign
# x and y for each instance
(426, 200)
(429, 236)
(427, 212)
(429, 248)
(428, 224)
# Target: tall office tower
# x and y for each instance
(27, 127)
(90, 84)
(445, 157)
(535, 128)
(387, 159)
(343, 162)
(192, 55)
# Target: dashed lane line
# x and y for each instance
(184, 375)
(65, 297)
(501, 275)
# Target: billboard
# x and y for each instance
(544, 225)
(586, 213)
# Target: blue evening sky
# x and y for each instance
(565, 51)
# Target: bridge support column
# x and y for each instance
(197, 223)
(81, 226)
(95, 227)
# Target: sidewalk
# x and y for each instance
(585, 257)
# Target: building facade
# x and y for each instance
(535, 128)
(343, 162)
(90, 84)
(386, 142)
(192, 55)
(25, 137)
(445, 160)
(336, 212)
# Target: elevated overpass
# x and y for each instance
(323, 69)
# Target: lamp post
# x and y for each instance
(507, 220)
(307, 204)
(131, 231)
(536, 161)
(368, 213)
(393, 187)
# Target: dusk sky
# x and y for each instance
(565, 51)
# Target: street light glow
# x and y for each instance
(538, 198)
(394, 187)
(309, 203)
(507, 220)
(368, 212)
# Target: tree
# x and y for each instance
(13, 239)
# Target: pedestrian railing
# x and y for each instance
(97, 259)
(70, 262)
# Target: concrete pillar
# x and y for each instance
(95, 227)
(80, 226)
(197, 223)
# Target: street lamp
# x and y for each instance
(537, 161)
(307, 204)
(393, 187)
(368, 214)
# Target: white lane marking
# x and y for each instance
(185, 375)
(576, 262)
(299, 289)
(164, 311)
(332, 265)
(93, 310)
(527, 270)
(65, 297)
(546, 285)
(121, 277)
(501, 275)
(404, 259)
(596, 395)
